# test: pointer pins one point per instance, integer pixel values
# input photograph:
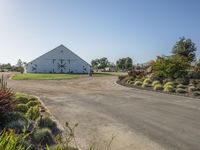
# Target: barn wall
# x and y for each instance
(59, 60)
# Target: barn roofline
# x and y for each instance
(54, 49)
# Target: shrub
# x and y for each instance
(192, 89)
(138, 83)
(158, 87)
(196, 93)
(155, 82)
(181, 86)
(6, 98)
(44, 136)
(32, 103)
(169, 84)
(33, 113)
(15, 116)
(180, 90)
(184, 81)
(17, 125)
(147, 81)
(21, 98)
(168, 88)
(122, 77)
(46, 122)
(146, 85)
(131, 82)
(11, 141)
(21, 108)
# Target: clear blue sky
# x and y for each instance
(140, 29)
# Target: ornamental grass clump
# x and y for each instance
(168, 88)
(168, 84)
(11, 141)
(155, 82)
(158, 87)
(6, 98)
(21, 108)
(181, 90)
(44, 136)
(33, 113)
(138, 83)
(181, 86)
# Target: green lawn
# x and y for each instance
(31, 76)
(100, 74)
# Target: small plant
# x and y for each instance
(158, 87)
(168, 88)
(155, 82)
(196, 93)
(15, 116)
(44, 136)
(48, 123)
(21, 108)
(147, 81)
(146, 85)
(192, 89)
(32, 103)
(169, 84)
(68, 141)
(131, 82)
(181, 86)
(138, 83)
(11, 141)
(6, 98)
(180, 90)
(17, 126)
(33, 113)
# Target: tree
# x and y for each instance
(101, 63)
(128, 63)
(185, 48)
(124, 63)
(170, 66)
(95, 63)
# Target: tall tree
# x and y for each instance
(128, 63)
(185, 48)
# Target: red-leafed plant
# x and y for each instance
(6, 98)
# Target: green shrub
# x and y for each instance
(158, 87)
(196, 93)
(15, 116)
(180, 90)
(11, 141)
(33, 113)
(169, 84)
(146, 85)
(155, 82)
(46, 122)
(168, 88)
(131, 82)
(181, 86)
(21, 98)
(147, 81)
(121, 77)
(184, 81)
(21, 108)
(44, 136)
(192, 89)
(138, 83)
(18, 125)
(32, 103)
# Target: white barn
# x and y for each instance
(58, 60)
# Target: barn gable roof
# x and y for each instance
(65, 48)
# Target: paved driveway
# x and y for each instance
(138, 119)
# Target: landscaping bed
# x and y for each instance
(192, 89)
(25, 124)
